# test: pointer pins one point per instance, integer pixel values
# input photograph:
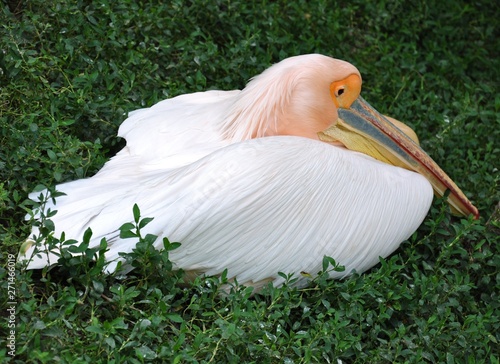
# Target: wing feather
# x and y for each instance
(259, 207)
(173, 132)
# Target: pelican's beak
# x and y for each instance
(364, 129)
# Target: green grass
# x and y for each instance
(69, 73)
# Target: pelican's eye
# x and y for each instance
(339, 91)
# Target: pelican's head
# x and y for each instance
(318, 97)
(297, 96)
(361, 128)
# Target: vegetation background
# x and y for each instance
(71, 70)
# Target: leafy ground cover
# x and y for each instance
(70, 72)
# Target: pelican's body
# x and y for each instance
(243, 182)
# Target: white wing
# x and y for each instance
(258, 207)
(172, 133)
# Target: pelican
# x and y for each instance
(272, 178)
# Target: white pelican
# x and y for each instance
(264, 180)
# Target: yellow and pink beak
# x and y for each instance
(362, 128)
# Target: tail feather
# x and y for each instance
(83, 201)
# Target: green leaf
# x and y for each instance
(145, 353)
(39, 325)
(150, 239)
(80, 248)
(51, 154)
(98, 286)
(128, 234)
(126, 231)
(174, 317)
(145, 221)
(110, 342)
(327, 261)
(87, 235)
(94, 329)
(137, 213)
(127, 226)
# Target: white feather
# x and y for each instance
(258, 207)
(172, 133)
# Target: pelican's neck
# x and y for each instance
(257, 110)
